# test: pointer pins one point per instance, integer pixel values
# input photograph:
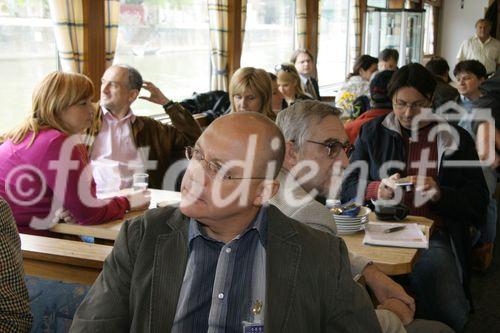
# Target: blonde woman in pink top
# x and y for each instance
(45, 167)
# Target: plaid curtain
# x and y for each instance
(111, 19)
(354, 33)
(218, 21)
(300, 24)
(67, 16)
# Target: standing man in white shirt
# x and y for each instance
(125, 143)
(305, 65)
(482, 47)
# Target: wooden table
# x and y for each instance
(390, 260)
(111, 229)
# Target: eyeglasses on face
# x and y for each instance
(213, 169)
(335, 147)
(401, 105)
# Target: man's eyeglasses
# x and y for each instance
(334, 147)
(400, 105)
(212, 168)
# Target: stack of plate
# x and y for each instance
(349, 225)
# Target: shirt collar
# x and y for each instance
(464, 99)
(303, 79)
(106, 114)
(259, 223)
(485, 42)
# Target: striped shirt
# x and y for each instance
(222, 282)
(414, 150)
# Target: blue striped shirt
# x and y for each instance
(222, 282)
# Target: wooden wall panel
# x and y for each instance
(234, 37)
(94, 42)
(312, 27)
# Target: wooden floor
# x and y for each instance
(486, 295)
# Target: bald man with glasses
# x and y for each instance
(226, 263)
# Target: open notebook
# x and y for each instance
(411, 236)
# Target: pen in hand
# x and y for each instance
(394, 229)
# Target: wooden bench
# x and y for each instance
(61, 259)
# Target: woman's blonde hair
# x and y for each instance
(287, 73)
(51, 97)
(256, 80)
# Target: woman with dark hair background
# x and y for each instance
(444, 92)
(446, 189)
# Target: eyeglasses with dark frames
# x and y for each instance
(213, 169)
(334, 147)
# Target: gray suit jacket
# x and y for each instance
(309, 286)
(310, 212)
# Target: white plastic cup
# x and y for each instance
(140, 181)
(332, 203)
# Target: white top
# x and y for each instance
(115, 158)
(488, 53)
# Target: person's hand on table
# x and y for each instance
(139, 200)
(156, 96)
(63, 215)
(385, 289)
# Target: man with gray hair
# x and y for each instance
(482, 47)
(124, 142)
(316, 140)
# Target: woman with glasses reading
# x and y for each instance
(441, 162)
(289, 84)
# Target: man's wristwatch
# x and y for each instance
(169, 104)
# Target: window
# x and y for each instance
(269, 33)
(168, 42)
(429, 46)
(333, 43)
(377, 3)
(27, 54)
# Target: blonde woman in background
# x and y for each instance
(289, 84)
(61, 111)
(250, 89)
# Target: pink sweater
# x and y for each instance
(31, 186)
